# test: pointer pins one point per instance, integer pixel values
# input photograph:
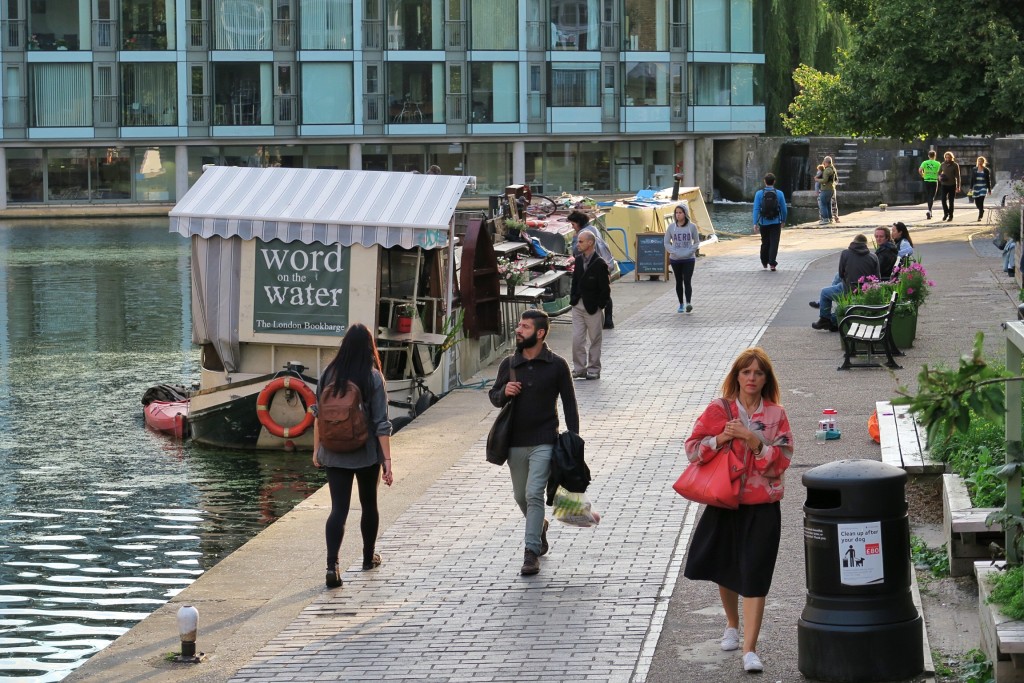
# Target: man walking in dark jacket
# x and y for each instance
(589, 295)
(541, 378)
(855, 262)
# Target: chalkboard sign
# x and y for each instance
(651, 258)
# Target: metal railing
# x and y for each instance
(14, 34)
(536, 33)
(105, 111)
(455, 35)
(677, 107)
(285, 111)
(677, 36)
(103, 32)
(15, 112)
(610, 35)
(535, 107)
(373, 32)
(284, 34)
(198, 34)
(198, 110)
(455, 108)
(373, 109)
(609, 106)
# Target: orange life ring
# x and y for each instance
(263, 407)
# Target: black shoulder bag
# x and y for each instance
(501, 431)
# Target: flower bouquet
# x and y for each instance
(912, 283)
(513, 272)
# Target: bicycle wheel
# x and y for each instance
(541, 206)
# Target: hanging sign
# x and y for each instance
(860, 554)
(300, 288)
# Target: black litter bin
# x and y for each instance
(859, 623)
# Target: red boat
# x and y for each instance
(169, 417)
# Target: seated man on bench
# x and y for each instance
(855, 262)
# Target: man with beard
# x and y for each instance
(540, 378)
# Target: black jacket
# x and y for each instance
(591, 284)
(568, 467)
(545, 379)
(856, 262)
(887, 254)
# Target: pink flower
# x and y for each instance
(910, 290)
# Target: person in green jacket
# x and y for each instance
(929, 172)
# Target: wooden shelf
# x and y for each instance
(507, 247)
(546, 278)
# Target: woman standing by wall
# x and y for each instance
(737, 549)
(682, 240)
(981, 185)
(357, 363)
(949, 184)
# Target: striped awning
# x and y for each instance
(315, 205)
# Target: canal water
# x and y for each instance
(101, 521)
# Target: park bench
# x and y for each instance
(967, 536)
(1002, 638)
(865, 327)
(904, 442)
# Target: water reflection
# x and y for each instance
(101, 521)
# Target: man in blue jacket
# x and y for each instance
(769, 217)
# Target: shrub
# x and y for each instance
(1007, 593)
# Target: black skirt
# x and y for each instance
(736, 548)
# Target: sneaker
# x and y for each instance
(823, 222)
(593, 375)
(579, 375)
(814, 304)
(333, 578)
(531, 563)
(773, 269)
(730, 639)
(374, 562)
(544, 547)
(752, 663)
(689, 308)
(681, 308)
(822, 324)
(928, 215)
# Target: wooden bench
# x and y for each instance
(1002, 638)
(967, 536)
(868, 327)
(904, 442)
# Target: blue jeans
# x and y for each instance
(827, 296)
(530, 467)
(825, 204)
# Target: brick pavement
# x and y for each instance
(449, 604)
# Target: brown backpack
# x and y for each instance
(342, 419)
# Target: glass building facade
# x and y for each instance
(123, 101)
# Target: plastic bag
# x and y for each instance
(873, 427)
(574, 509)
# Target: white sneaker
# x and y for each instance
(752, 663)
(730, 639)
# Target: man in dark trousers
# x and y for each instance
(541, 378)
(580, 222)
(589, 295)
(769, 217)
(856, 261)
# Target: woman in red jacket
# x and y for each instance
(737, 548)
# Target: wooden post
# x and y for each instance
(1014, 452)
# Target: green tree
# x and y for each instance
(919, 68)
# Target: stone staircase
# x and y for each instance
(845, 161)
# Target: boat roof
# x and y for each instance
(320, 205)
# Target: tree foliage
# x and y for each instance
(918, 68)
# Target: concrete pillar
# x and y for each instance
(180, 171)
(355, 156)
(3, 186)
(703, 162)
(518, 163)
(689, 168)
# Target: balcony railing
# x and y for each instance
(284, 34)
(373, 33)
(610, 35)
(455, 108)
(105, 110)
(609, 106)
(14, 34)
(285, 112)
(198, 110)
(677, 107)
(677, 36)
(374, 111)
(455, 35)
(198, 34)
(536, 35)
(15, 112)
(535, 107)
(103, 31)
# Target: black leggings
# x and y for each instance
(684, 273)
(948, 195)
(340, 481)
(980, 203)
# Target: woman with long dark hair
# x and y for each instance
(981, 185)
(357, 362)
(682, 240)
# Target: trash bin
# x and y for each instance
(859, 623)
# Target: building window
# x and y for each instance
(495, 92)
(154, 174)
(241, 94)
(710, 83)
(491, 163)
(646, 25)
(327, 104)
(646, 84)
(57, 25)
(149, 95)
(709, 30)
(575, 25)
(147, 24)
(415, 24)
(574, 85)
(495, 25)
(742, 26)
(89, 174)
(746, 84)
(242, 25)
(415, 92)
(24, 175)
(327, 156)
(326, 24)
(61, 95)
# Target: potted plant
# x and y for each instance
(403, 317)
(62, 44)
(512, 272)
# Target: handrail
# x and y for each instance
(625, 241)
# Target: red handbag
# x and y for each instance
(716, 482)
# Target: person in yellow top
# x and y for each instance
(929, 172)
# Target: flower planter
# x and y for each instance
(403, 324)
(967, 536)
(1000, 635)
(904, 326)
